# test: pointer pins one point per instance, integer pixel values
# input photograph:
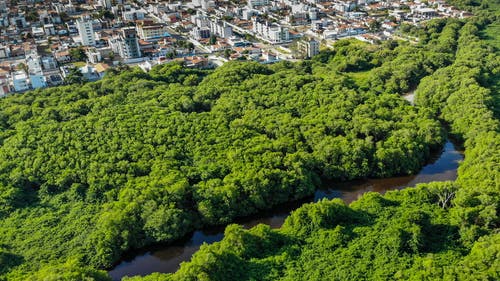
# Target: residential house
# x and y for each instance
(20, 81)
(152, 32)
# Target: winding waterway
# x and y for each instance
(167, 258)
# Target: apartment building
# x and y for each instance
(220, 29)
(200, 33)
(86, 31)
(273, 33)
(152, 32)
(252, 4)
(129, 43)
(308, 47)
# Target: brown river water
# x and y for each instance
(167, 258)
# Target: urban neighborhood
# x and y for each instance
(48, 43)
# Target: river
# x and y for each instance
(167, 258)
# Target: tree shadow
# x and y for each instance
(8, 260)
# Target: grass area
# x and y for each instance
(361, 77)
(282, 50)
(79, 64)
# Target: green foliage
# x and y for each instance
(74, 76)
(322, 215)
(77, 54)
(139, 158)
(436, 231)
(478, 201)
(90, 171)
(69, 271)
(483, 262)
(403, 73)
(352, 55)
(405, 235)
(376, 238)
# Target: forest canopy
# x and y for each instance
(90, 171)
(146, 157)
(436, 231)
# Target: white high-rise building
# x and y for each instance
(3, 5)
(309, 47)
(129, 44)
(86, 31)
(107, 4)
(257, 3)
(220, 29)
(273, 33)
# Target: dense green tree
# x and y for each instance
(77, 54)
(151, 156)
(436, 231)
(74, 76)
(89, 171)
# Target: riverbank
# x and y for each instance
(167, 258)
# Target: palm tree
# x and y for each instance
(23, 67)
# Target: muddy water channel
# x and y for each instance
(167, 258)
